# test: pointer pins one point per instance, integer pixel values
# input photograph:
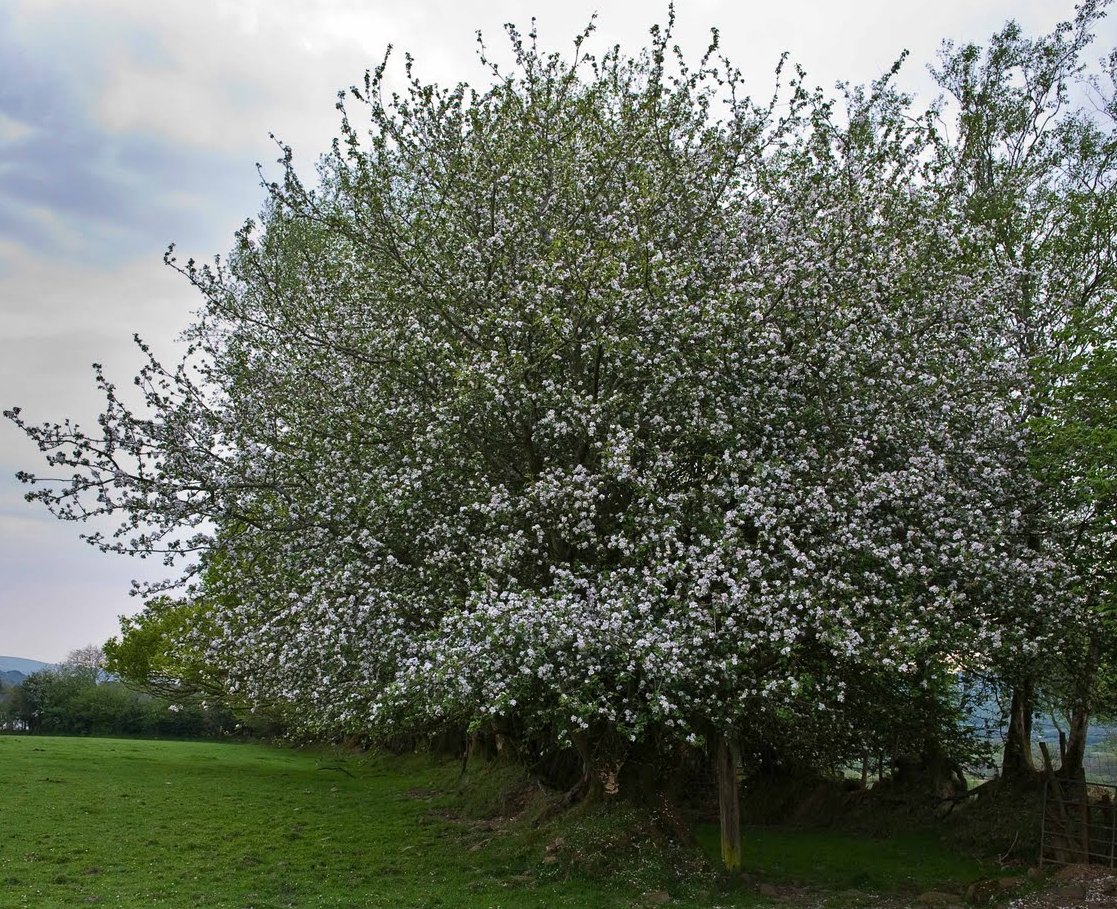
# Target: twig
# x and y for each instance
(338, 769)
(1008, 852)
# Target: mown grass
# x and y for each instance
(138, 824)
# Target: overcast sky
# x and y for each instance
(128, 124)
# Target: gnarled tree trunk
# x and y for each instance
(1018, 763)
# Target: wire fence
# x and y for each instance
(1099, 762)
(1101, 766)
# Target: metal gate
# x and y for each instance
(1079, 824)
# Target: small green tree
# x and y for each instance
(153, 651)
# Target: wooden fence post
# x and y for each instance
(729, 804)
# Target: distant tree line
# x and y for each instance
(78, 697)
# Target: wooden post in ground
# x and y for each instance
(1062, 838)
(729, 803)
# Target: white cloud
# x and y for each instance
(221, 75)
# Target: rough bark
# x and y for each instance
(1074, 755)
(1018, 763)
(591, 785)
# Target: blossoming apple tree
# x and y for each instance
(602, 405)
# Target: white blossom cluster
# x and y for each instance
(603, 400)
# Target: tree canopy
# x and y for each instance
(609, 406)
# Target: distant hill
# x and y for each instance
(11, 677)
(20, 665)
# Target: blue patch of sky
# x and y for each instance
(69, 187)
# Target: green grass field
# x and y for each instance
(138, 824)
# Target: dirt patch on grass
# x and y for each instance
(1073, 887)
